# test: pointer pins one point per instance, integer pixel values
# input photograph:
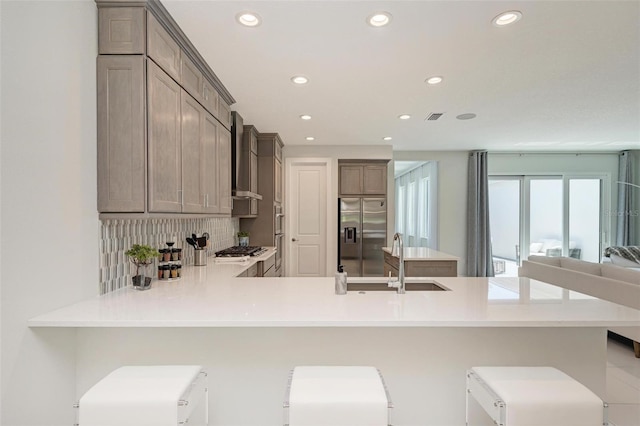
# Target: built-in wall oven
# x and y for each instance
(278, 218)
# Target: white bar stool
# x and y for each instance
(147, 396)
(336, 396)
(532, 396)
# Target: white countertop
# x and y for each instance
(423, 253)
(211, 296)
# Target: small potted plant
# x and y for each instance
(243, 238)
(141, 255)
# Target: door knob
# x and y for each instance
(293, 239)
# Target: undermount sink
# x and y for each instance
(380, 284)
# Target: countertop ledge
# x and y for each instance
(422, 253)
(211, 296)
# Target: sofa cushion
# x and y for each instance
(621, 261)
(535, 248)
(552, 261)
(619, 273)
(580, 266)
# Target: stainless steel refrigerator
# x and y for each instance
(362, 229)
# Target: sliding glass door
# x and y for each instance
(545, 216)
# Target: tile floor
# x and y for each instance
(623, 385)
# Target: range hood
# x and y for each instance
(240, 162)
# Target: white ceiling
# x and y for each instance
(565, 77)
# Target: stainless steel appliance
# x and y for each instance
(238, 251)
(362, 234)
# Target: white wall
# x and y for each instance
(49, 221)
(452, 199)
(344, 152)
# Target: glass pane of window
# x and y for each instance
(545, 220)
(400, 209)
(584, 219)
(504, 217)
(423, 212)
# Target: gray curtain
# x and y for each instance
(626, 223)
(479, 257)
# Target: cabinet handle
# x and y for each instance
(207, 200)
(294, 240)
(181, 196)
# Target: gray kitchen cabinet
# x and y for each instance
(121, 133)
(192, 146)
(163, 117)
(162, 48)
(224, 175)
(249, 178)
(210, 160)
(266, 229)
(363, 178)
(164, 141)
(121, 31)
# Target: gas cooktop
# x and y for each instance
(237, 251)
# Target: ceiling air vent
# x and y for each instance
(434, 116)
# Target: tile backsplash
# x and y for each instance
(117, 236)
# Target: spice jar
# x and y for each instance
(175, 254)
(161, 257)
(166, 272)
(166, 255)
(179, 270)
(160, 272)
(174, 271)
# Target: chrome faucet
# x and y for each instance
(399, 282)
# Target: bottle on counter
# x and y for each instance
(341, 281)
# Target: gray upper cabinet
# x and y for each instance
(363, 178)
(162, 48)
(121, 31)
(192, 119)
(248, 179)
(224, 175)
(121, 133)
(165, 147)
(163, 117)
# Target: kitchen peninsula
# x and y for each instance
(421, 262)
(249, 332)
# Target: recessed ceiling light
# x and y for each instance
(248, 19)
(379, 19)
(434, 80)
(310, 138)
(387, 138)
(305, 117)
(404, 117)
(299, 79)
(467, 116)
(506, 18)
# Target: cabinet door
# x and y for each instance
(162, 48)
(192, 129)
(375, 180)
(351, 180)
(224, 168)
(121, 30)
(224, 113)
(164, 147)
(277, 172)
(210, 164)
(253, 170)
(121, 133)
(191, 78)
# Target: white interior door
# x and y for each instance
(307, 219)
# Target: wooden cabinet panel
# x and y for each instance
(210, 164)
(224, 167)
(192, 127)
(351, 180)
(278, 181)
(224, 113)
(162, 48)
(165, 153)
(191, 78)
(121, 133)
(210, 98)
(121, 30)
(375, 179)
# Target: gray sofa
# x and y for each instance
(605, 281)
